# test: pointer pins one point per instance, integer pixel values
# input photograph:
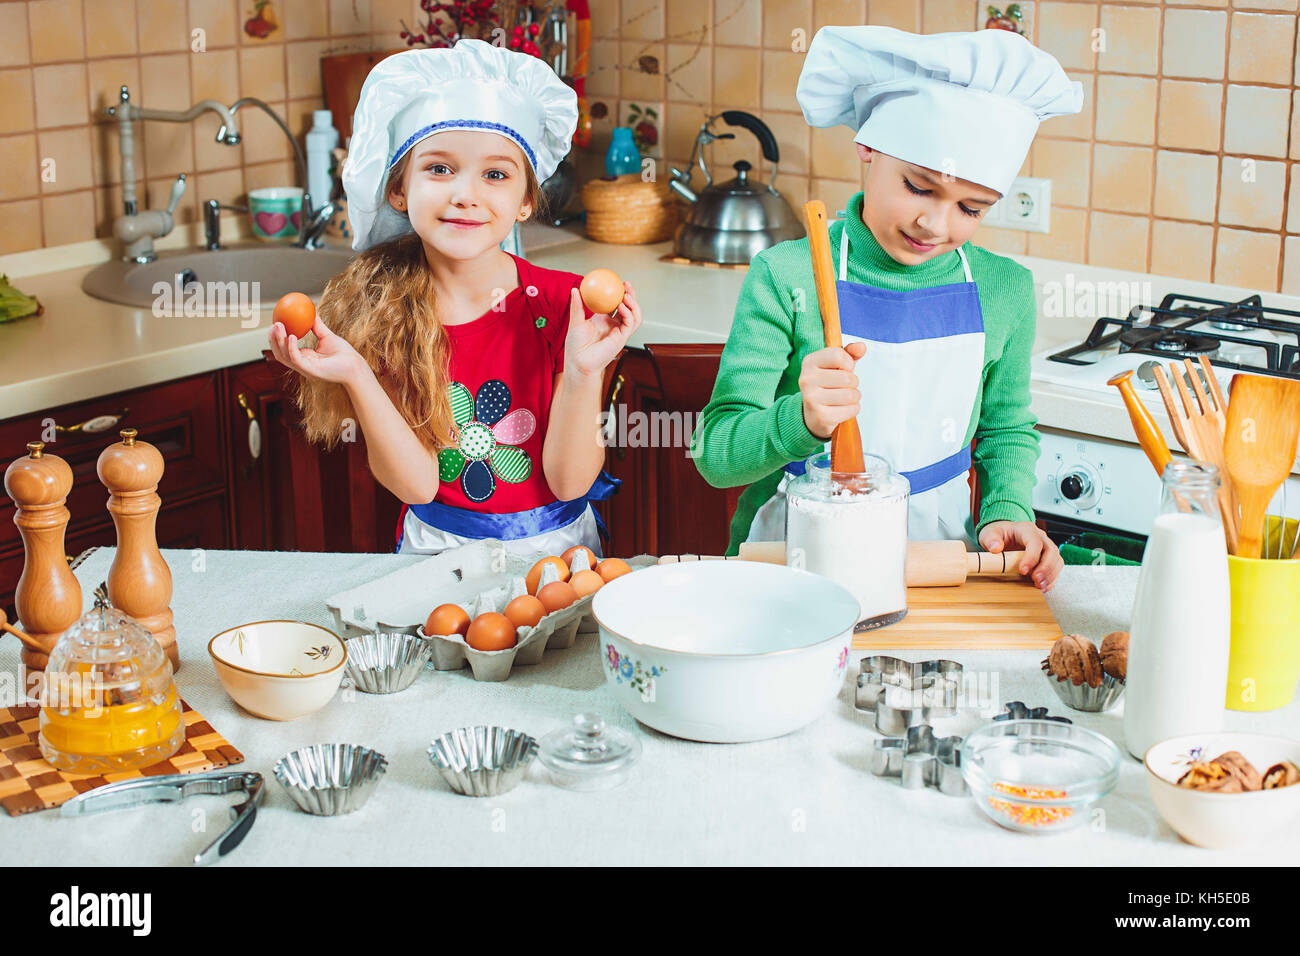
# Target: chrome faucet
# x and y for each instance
(137, 230)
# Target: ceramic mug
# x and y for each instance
(1264, 661)
(274, 212)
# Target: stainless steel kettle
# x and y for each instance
(731, 221)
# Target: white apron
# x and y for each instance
(919, 380)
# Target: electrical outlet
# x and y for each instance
(1026, 206)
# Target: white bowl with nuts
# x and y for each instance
(1226, 790)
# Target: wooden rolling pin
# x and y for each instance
(930, 564)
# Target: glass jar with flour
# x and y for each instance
(853, 530)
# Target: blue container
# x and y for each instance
(622, 156)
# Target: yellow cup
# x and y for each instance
(1264, 663)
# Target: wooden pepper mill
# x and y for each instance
(48, 598)
(139, 581)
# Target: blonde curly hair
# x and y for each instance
(382, 304)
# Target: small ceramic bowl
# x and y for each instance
(385, 663)
(1223, 821)
(329, 780)
(279, 670)
(1038, 776)
(483, 761)
(274, 212)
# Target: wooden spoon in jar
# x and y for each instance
(846, 439)
(1259, 448)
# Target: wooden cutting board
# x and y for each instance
(980, 614)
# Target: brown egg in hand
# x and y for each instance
(525, 611)
(601, 290)
(491, 631)
(587, 582)
(447, 619)
(557, 595)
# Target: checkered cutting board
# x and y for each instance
(28, 783)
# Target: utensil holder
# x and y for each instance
(1264, 661)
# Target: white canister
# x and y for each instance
(852, 529)
(1180, 631)
(321, 140)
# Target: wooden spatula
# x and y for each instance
(846, 440)
(1259, 447)
(1204, 432)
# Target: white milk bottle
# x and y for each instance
(1178, 639)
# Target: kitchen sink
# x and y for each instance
(276, 270)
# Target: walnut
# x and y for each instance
(1114, 654)
(1241, 768)
(1211, 776)
(1282, 774)
(1075, 657)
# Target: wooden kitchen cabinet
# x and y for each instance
(664, 505)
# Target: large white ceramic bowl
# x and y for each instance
(724, 651)
(280, 670)
(1223, 821)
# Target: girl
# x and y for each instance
(474, 376)
(937, 331)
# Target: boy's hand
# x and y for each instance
(829, 388)
(592, 343)
(332, 360)
(1042, 558)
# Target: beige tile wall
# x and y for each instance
(1181, 161)
(62, 62)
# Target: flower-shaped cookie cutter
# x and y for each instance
(903, 694)
(920, 759)
(1016, 710)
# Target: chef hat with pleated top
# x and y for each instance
(474, 85)
(966, 104)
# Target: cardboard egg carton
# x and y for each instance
(479, 577)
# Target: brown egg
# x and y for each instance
(491, 632)
(601, 290)
(535, 575)
(587, 582)
(525, 611)
(557, 595)
(567, 557)
(612, 568)
(447, 619)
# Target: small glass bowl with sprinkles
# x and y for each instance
(1039, 776)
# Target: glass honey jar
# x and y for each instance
(109, 703)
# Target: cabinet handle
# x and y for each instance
(93, 426)
(619, 451)
(254, 429)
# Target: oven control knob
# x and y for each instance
(1077, 487)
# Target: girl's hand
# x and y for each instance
(1042, 557)
(829, 388)
(332, 360)
(591, 344)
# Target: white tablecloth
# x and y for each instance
(804, 798)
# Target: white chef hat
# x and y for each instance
(473, 85)
(967, 104)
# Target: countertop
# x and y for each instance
(807, 798)
(81, 347)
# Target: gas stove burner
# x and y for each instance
(1162, 341)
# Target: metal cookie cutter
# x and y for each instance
(174, 788)
(1016, 710)
(903, 694)
(921, 759)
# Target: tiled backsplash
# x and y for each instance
(1180, 163)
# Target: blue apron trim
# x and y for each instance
(511, 526)
(921, 479)
(913, 314)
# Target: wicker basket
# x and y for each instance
(628, 211)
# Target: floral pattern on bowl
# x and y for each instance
(631, 671)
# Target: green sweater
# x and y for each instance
(753, 425)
